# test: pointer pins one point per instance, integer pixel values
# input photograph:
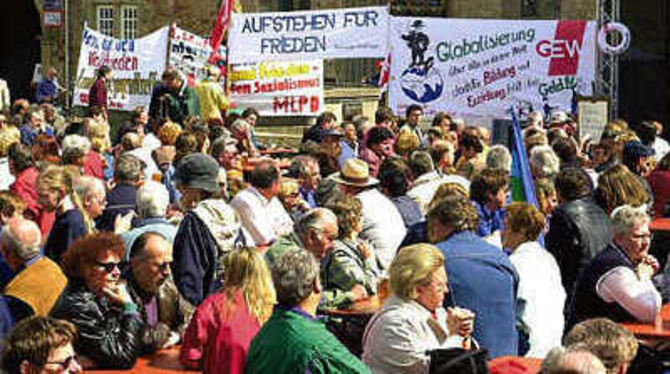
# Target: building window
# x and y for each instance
(528, 8)
(106, 20)
(129, 22)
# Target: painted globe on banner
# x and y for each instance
(422, 85)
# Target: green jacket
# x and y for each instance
(333, 298)
(291, 343)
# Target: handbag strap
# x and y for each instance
(469, 355)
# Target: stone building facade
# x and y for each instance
(127, 18)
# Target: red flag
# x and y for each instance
(384, 75)
(220, 27)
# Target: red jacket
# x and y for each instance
(217, 339)
(659, 181)
(94, 165)
(97, 95)
(25, 186)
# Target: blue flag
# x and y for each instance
(521, 180)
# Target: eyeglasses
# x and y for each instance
(65, 364)
(109, 266)
(165, 266)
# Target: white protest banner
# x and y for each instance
(189, 53)
(337, 33)
(480, 68)
(279, 88)
(136, 66)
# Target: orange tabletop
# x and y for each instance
(363, 307)
(279, 151)
(161, 362)
(504, 362)
(660, 224)
(249, 166)
(659, 330)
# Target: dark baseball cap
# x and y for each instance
(331, 132)
(636, 149)
(198, 171)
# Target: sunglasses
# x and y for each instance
(65, 364)
(109, 266)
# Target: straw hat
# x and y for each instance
(355, 172)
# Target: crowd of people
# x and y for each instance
(176, 231)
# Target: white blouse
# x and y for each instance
(541, 288)
(398, 336)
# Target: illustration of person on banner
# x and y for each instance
(418, 42)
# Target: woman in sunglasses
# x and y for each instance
(97, 302)
(41, 345)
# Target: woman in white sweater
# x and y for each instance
(413, 321)
(540, 292)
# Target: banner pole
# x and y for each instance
(67, 54)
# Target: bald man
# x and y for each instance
(573, 360)
(165, 312)
(38, 282)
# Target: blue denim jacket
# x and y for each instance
(483, 280)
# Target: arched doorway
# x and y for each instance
(19, 46)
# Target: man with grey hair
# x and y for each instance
(74, 150)
(121, 199)
(617, 283)
(573, 360)
(38, 281)
(306, 169)
(152, 204)
(293, 335)
(315, 232)
(428, 179)
(499, 158)
(543, 162)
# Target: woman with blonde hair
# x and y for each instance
(217, 339)
(101, 144)
(413, 321)
(617, 186)
(547, 198)
(55, 190)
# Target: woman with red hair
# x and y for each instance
(97, 302)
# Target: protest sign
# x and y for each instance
(338, 33)
(593, 115)
(136, 66)
(189, 54)
(279, 88)
(481, 68)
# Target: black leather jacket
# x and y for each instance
(578, 231)
(107, 335)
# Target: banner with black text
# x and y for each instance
(318, 34)
(481, 68)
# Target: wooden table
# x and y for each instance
(534, 364)
(660, 224)
(658, 330)
(363, 307)
(248, 167)
(161, 362)
(348, 325)
(279, 152)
